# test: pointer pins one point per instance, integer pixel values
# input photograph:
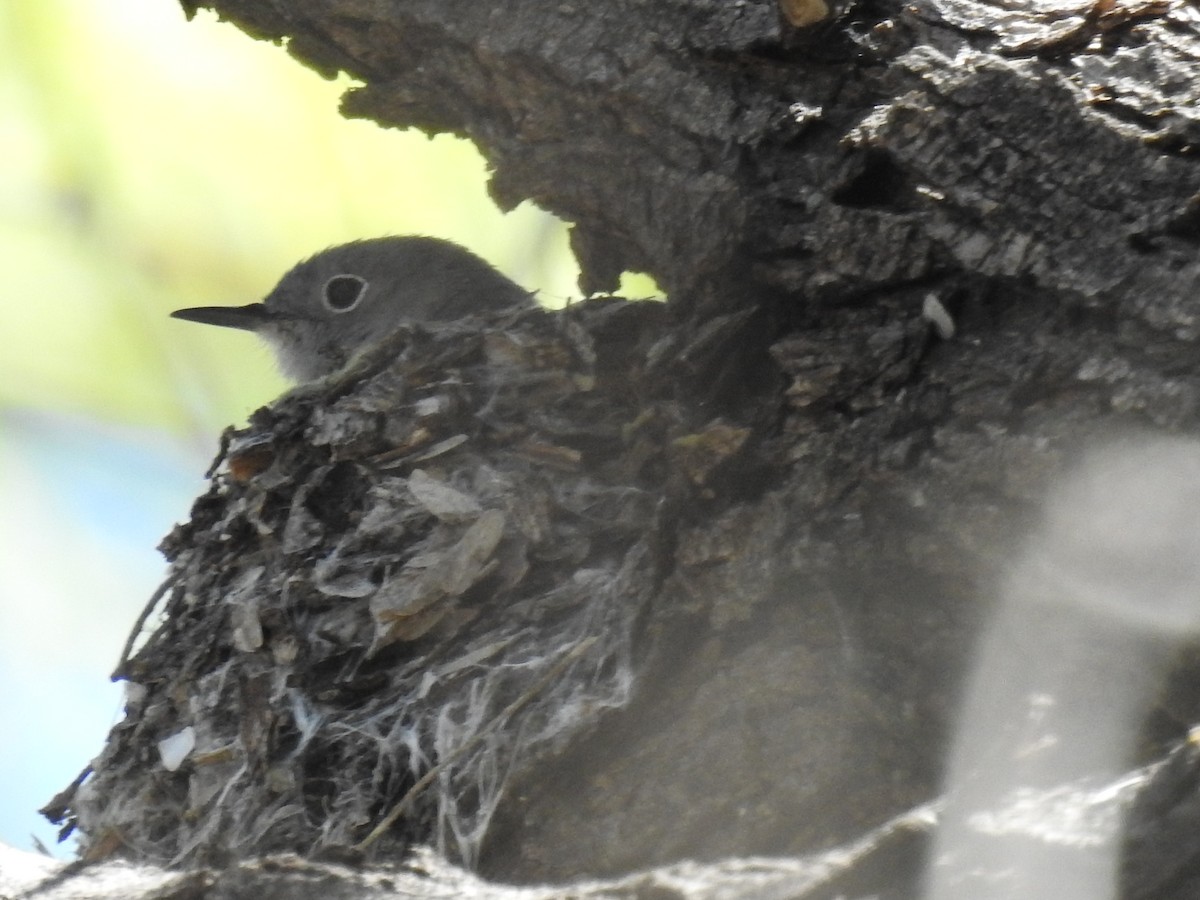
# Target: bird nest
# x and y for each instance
(405, 585)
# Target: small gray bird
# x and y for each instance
(343, 299)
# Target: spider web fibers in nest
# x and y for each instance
(447, 711)
(469, 791)
(446, 714)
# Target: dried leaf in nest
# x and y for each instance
(804, 12)
(103, 846)
(249, 455)
(443, 501)
(333, 580)
(511, 350)
(175, 748)
(247, 627)
(698, 454)
(243, 610)
(469, 560)
(408, 605)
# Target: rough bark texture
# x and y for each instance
(425, 874)
(918, 256)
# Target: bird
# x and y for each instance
(333, 304)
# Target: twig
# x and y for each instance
(120, 671)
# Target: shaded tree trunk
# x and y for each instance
(707, 577)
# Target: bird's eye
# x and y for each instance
(343, 292)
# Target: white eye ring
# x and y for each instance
(343, 292)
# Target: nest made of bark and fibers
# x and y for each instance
(404, 585)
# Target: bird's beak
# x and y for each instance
(248, 318)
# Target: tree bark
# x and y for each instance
(705, 579)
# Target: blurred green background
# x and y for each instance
(148, 164)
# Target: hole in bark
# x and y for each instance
(878, 183)
(1142, 243)
(1186, 223)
